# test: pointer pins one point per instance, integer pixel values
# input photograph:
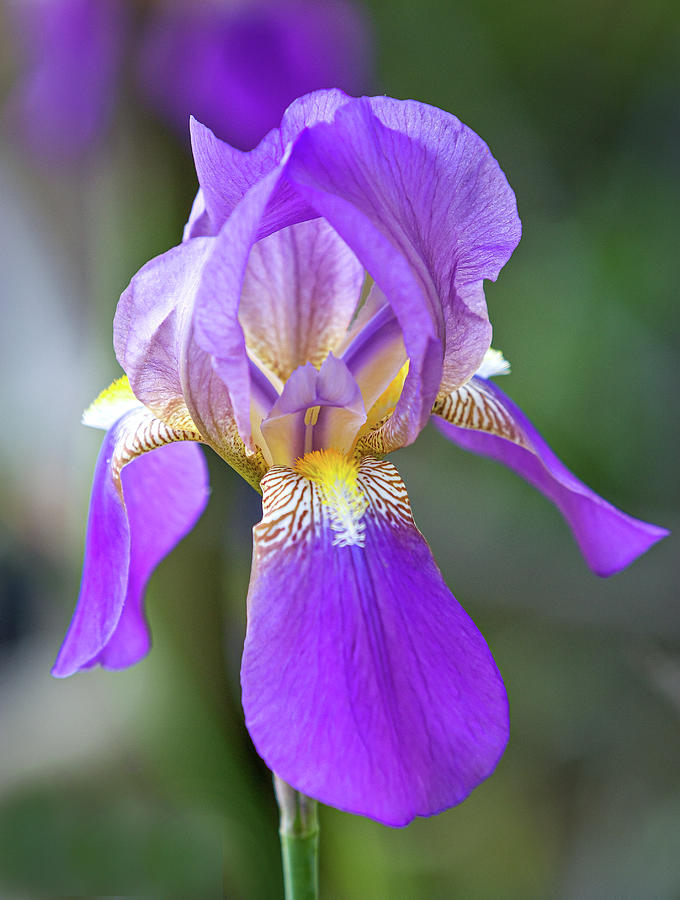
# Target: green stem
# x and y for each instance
(299, 831)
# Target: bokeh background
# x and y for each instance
(143, 783)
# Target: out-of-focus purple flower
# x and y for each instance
(326, 302)
(233, 65)
(73, 51)
(236, 67)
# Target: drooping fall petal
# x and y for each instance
(481, 418)
(143, 503)
(365, 684)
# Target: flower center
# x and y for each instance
(335, 476)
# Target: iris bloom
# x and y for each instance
(326, 302)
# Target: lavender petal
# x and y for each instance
(165, 493)
(365, 684)
(609, 539)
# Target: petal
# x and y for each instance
(365, 684)
(215, 323)
(165, 492)
(481, 418)
(150, 328)
(209, 403)
(198, 223)
(225, 174)
(334, 398)
(429, 187)
(154, 338)
(300, 291)
(377, 352)
(465, 214)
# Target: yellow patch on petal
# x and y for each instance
(336, 478)
(369, 439)
(113, 402)
(386, 402)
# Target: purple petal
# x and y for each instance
(236, 68)
(466, 216)
(396, 279)
(198, 223)
(609, 539)
(165, 493)
(226, 174)
(215, 323)
(365, 684)
(169, 371)
(300, 291)
(332, 388)
(425, 207)
(150, 327)
(67, 95)
(376, 354)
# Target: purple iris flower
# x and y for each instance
(326, 302)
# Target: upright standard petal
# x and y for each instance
(420, 323)
(225, 174)
(151, 324)
(466, 216)
(138, 513)
(481, 418)
(365, 684)
(430, 189)
(215, 323)
(300, 291)
(170, 373)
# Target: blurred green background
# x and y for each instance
(144, 783)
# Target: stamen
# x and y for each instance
(311, 418)
(312, 415)
(336, 477)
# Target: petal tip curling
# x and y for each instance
(479, 417)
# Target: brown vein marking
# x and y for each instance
(290, 506)
(141, 432)
(475, 406)
(293, 509)
(386, 492)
